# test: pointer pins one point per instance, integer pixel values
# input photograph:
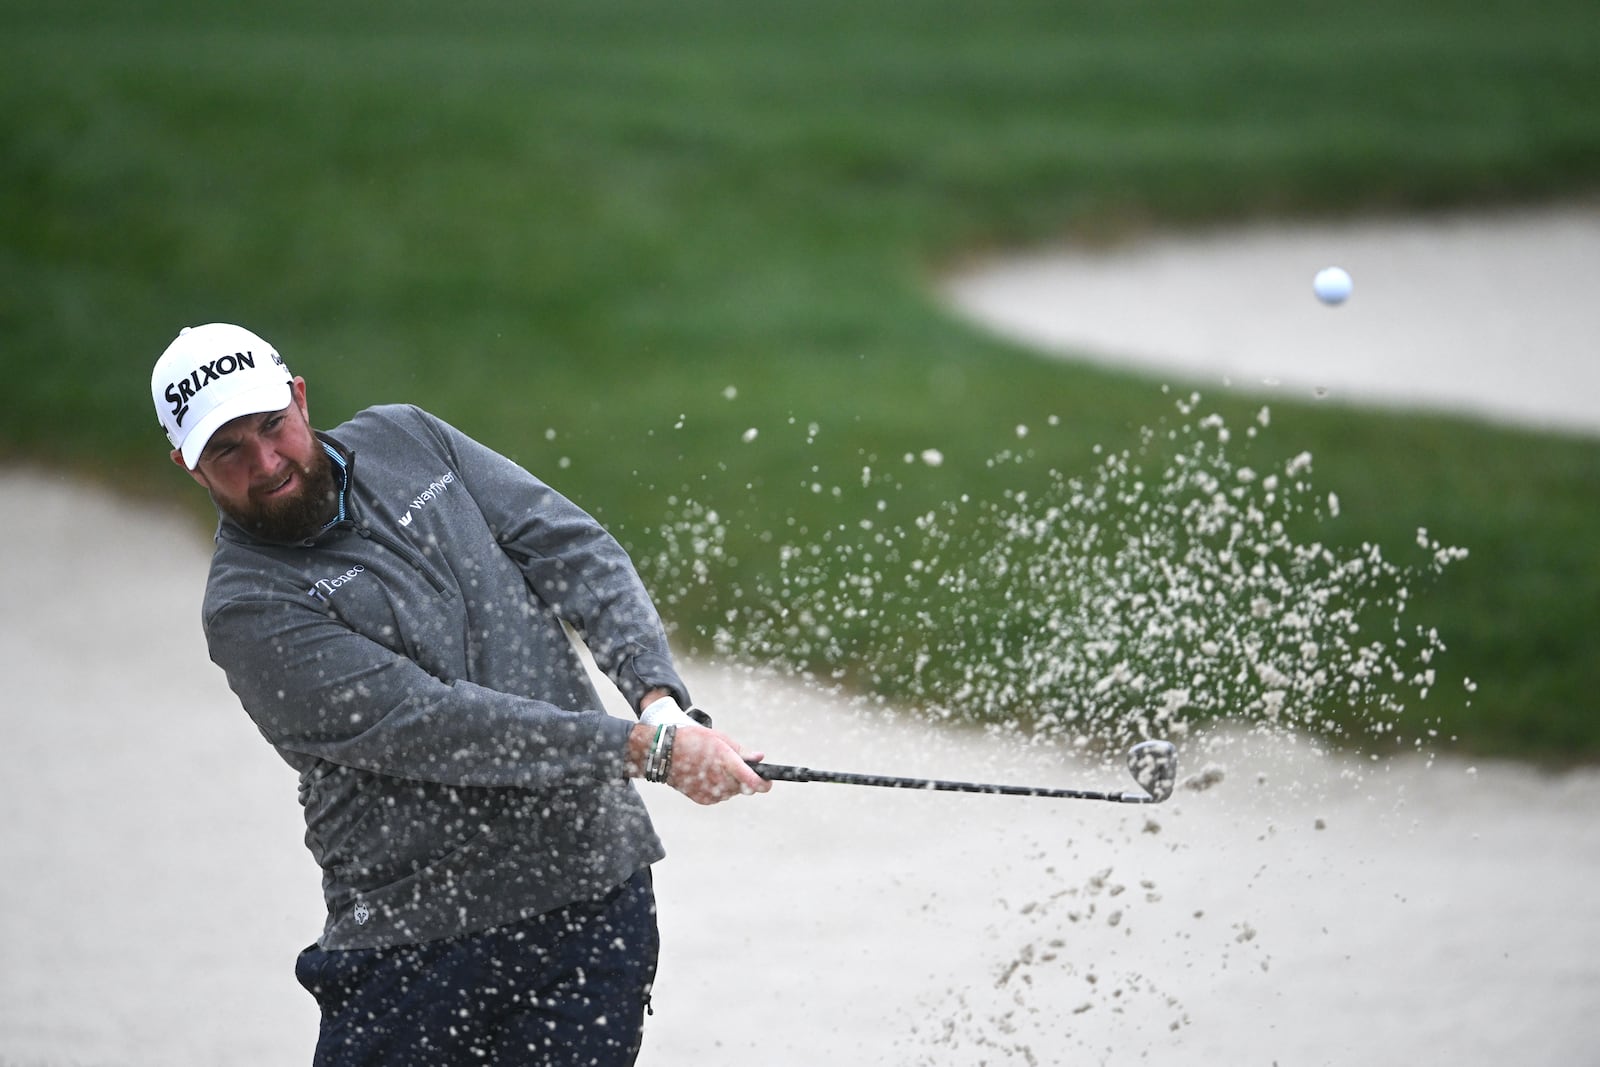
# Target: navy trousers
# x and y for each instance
(566, 988)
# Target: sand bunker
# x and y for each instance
(1488, 316)
(1303, 908)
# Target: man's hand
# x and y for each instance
(708, 766)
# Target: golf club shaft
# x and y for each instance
(778, 772)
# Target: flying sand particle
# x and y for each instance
(1202, 780)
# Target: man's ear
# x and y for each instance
(177, 457)
(297, 391)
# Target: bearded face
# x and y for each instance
(269, 473)
(289, 508)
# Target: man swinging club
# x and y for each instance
(386, 599)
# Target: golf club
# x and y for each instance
(1154, 765)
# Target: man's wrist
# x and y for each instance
(658, 764)
(639, 739)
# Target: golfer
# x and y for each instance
(387, 599)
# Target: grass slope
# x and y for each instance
(571, 226)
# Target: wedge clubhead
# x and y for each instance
(1154, 765)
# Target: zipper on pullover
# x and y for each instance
(350, 519)
(367, 532)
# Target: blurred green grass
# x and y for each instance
(570, 227)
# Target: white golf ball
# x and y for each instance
(1332, 285)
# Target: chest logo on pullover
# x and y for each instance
(325, 587)
(421, 500)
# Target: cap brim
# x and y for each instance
(274, 396)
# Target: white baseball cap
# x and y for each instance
(211, 375)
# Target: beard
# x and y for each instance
(294, 518)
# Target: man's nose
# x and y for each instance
(264, 458)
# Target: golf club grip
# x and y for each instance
(778, 772)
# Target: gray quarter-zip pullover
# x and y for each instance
(456, 769)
